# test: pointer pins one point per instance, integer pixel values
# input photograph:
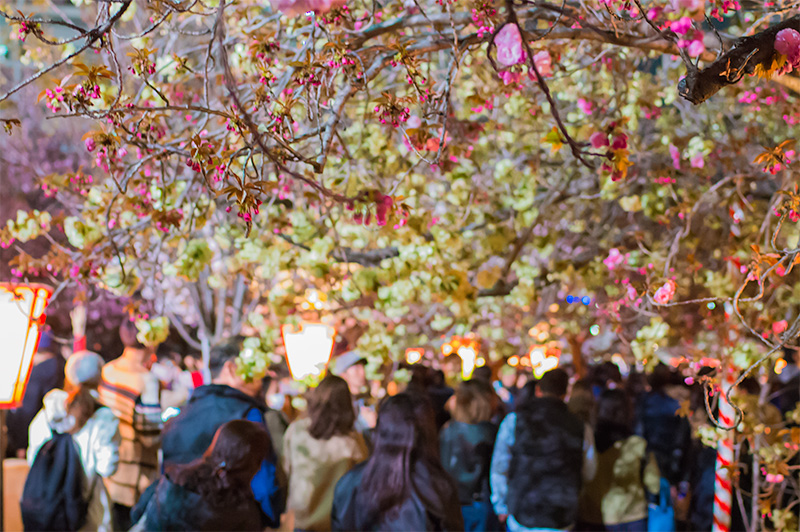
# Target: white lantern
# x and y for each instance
(308, 348)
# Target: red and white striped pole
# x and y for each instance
(723, 488)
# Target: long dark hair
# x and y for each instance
(224, 472)
(404, 438)
(614, 418)
(330, 407)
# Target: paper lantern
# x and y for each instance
(21, 320)
(308, 348)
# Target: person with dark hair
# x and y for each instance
(318, 450)
(229, 396)
(542, 455)
(581, 400)
(134, 395)
(47, 374)
(668, 435)
(402, 486)
(616, 497)
(466, 446)
(212, 492)
(94, 429)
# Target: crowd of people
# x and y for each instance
(165, 444)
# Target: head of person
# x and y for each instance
(225, 470)
(135, 350)
(330, 408)
(472, 402)
(46, 343)
(82, 375)
(750, 386)
(554, 383)
(614, 418)
(350, 367)
(405, 434)
(614, 407)
(482, 373)
(223, 366)
(660, 378)
(526, 394)
(508, 376)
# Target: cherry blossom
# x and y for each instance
(665, 294)
(787, 42)
(509, 46)
(544, 63)
(614, 259)
(293, 8)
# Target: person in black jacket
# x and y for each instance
(466, 443)
(212, 492)
(402, 486)
(47, 374)
(668, 435)
(186, 436)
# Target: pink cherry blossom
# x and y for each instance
(697, 161)
(665, 294)
(544, 63)
(779, 326)
(675, 153)
(293, 8)
(585, 105)
(681, 26)
(787, 42)
(696, 48)
(598, 139)
(690, 5)
(614, 259)
(620, 142)
(90, 144)
(509, 46)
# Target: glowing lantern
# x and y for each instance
(21, 319)
(468, 356)
(414, 354)
(308, 348)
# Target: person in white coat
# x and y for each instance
(94, 429)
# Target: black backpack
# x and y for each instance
(52, 499)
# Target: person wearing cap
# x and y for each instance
(47, 374)
(94, 429)
(350, 367)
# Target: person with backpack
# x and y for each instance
(466, 443)
(212, 492)
(616, 498)
(74, 445)
(187, 435)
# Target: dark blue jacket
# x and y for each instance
(668, 435)
(187, 436)
(466, 451)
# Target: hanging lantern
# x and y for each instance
(468, 356)
(308, 348)
(414, 354)
(21, 320)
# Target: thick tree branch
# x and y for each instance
(743, 58)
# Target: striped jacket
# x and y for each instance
(133, 396)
